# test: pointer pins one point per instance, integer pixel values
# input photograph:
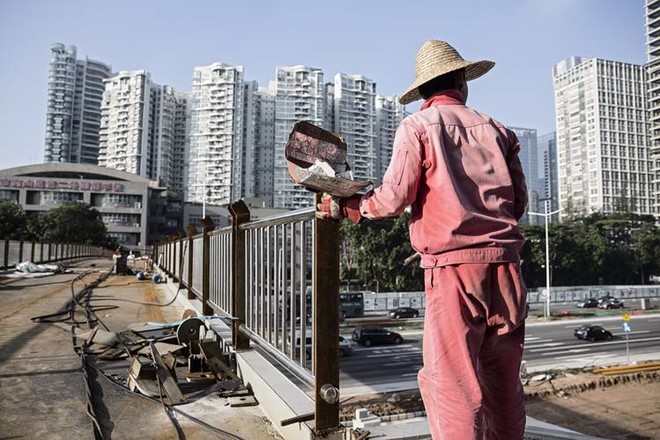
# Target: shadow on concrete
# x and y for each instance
(602, 427)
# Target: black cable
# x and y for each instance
(142, 303)
(89, 408)
(82, 300)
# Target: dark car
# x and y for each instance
(404, 312)
(376, 335)
(592, 333)
(587, 303)
(611, 303)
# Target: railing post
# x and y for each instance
(192, 231)
(326, 325)
(240, 213)
(207, 226)
(20, 251)
(154, 252)
(179, 266)
(32, 252)
(6, 256)
(171, 245)
(166, 256)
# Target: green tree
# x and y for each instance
(375, 253)
(12, 220)
(73, 223)
(646, 248)
(578, 252)
(532, 255)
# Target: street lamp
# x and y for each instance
(205, 192)
(547, 251)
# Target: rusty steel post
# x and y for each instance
(171, 245)
(179, 272)
(326, 324)
(240, 213)
(192, 231)
(6, 256)
(166, 257)
(207, 226)
(154, 252)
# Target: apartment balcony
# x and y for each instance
(654, 7)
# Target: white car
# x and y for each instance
(345, 346)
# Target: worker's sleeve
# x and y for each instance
(401, 179)
(517, 176)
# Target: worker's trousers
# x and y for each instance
(473, 344)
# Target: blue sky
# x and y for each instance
(377, 38)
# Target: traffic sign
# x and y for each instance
(626, 317)
(626, 327)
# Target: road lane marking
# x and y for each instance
(599, 344)
(575, 350)
(545, 344)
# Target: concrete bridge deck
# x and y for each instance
(43, 392)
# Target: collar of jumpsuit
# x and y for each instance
(445, 97)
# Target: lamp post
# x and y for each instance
(204, 192)
(547, 252)
(204, 198)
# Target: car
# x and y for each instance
(403, 312)
(369, 336)
(592, 333)
(611, 303)
(605, 298)
(587, 303)
(345, 347)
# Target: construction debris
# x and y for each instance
(172, 362)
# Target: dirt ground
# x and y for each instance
(624, 407)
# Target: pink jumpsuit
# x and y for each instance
(459, 171)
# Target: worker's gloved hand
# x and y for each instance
(329, 208)
(337, 209)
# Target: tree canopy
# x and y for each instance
(67, 223)
(12, 220)
(374, 253)
(622, 248)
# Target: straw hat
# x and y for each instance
(436, 58)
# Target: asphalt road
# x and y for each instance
(547, 346)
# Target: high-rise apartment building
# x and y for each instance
(259, 140)
(529, 159)
(354, 118)
(216, 156)
(653, 93)
(300, 95)
(172, 117)
(143, 128)
(602, 137)
(389, 114)
(547, 146)
(73, 115)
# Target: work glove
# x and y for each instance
(337, 209)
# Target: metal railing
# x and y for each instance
(276, 280)
(16, 251)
